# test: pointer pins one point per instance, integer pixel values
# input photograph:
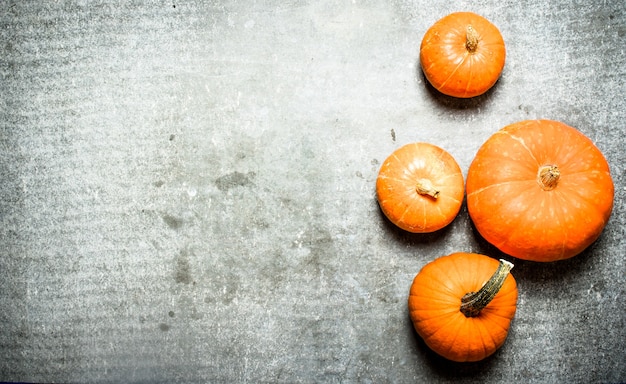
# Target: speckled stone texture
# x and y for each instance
(187, 190)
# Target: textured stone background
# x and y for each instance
(187, 189)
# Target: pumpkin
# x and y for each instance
(462, 55)
(462, 305)
(420, 187)
(539, 190)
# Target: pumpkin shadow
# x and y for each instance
(443, 368)
(409, 238)
(455, 103)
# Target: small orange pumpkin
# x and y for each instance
(462, 55)
(420, 188)
(462, 305)
(539, 190)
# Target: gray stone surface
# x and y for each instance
(187, 190)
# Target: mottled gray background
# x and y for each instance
(187, 189)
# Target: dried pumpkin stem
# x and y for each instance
(426, 187)
(548, 177)
(471, 42)
(474, 302)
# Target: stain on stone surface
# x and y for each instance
(259, 223)
(164, 327)
(224, 289)
(158, 183)
(525, 108)
(317, 238)
(393, 135)
(233, 180)
(320, 245)
(171, 314)
(182, 272)
(172, 222)
(195, 315)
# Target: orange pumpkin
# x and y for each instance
(462, 55)
(420, 188)
(539, 190)
(462, 305)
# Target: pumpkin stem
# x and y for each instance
(548, 177)
(426, 187)
(471, 42)
(474, 302)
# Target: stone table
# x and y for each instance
(188, 190)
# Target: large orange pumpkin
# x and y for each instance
(462, 55)
(420, 187)
(539, 190)
(462, 305)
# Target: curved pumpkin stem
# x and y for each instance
(474, 302)
(426, 187)
(548, 177)
(471, 42)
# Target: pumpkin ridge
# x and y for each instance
(506, 297)
(400, 180)
(471, 67)
(442, 277)
(442, 285)
(449, 176)
(569, 159)
(444, 289)
(440, 153)
(567, 173)
(481, 328)
(498, 321)
(448, 300)
(445, 273)
(495, 341)
(447, 196)
(486, 41)
(460, 277)
(425, 218)
(515, 224)
(441, 213)
(394, 155)
(523, 143)
(464, 341)
(502, 307)
(440, 207)
(453, 73)
(456, 336)
(426, 69)
(581, 198)
(438, 314)
(502, 296)
(562, 219)
(409, 209)
(441, 326)
(490, 186)
(487, 312)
